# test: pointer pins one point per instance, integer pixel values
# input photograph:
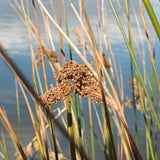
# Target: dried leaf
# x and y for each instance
(128, 103)
(49, 52)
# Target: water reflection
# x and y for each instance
(13, 33)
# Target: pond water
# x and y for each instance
(14, 38)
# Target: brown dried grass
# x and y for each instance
(13, 134)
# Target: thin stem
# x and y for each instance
(91, 128)
(60, 35)
(41, 47)
(13, 134)
(131, 65)
(152, 16)
(67, 31)
(70, 128)
(49, 113)
(18, 112)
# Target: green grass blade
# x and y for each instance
(135, 63)
(91, 128)
(131, 66)
(70, 129)
(85, 144)
(67, 31)
(79, 121)
(3, 149)
(49, 113)
(149, 147)
(152, 16)
(18, 113)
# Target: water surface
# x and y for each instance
(13, 36)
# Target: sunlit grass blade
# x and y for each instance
(135, 63)
(41, 47)
(152, 16)
(67, 31)
(3, 152)
(131, 66)
(154, 78)
(13, 134)
(34, 123)
(18, 112)
(60, 35)
(77, 124)
(91, 129)
(49, 113)
(46, 85)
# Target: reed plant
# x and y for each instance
(99, 82)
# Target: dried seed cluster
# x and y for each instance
(52, 54)
(136, 92)
(73, 77)
(79, 36)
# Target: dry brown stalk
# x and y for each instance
(146, 32)
(40, 44)
(60, 35)
(13, 134)
(33, 121)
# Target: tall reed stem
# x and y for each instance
(131, 66)
(152, 16)
(60, 35)
(18, 112)
(79, 121)
(13, 134)
(91, 128)
(49, 113)
(70, 128)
